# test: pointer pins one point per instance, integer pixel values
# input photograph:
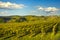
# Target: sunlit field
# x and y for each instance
(30, 28)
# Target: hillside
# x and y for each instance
(30, 27)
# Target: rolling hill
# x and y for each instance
(30, 27)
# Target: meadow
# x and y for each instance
(30, 28)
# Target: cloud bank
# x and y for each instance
(9, 5)
(48, 9)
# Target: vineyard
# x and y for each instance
(30, 28)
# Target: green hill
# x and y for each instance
(30, 27)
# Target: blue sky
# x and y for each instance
(29, 7)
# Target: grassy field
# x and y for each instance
(30, 28)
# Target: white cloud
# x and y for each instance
(3, 12)
(48, 9)
(33, 11)
(9, 5)
(51, 9)
(40, 8)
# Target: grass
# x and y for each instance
(42, 29)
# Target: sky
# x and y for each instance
(29, 7)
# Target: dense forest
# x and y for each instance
(29, 27)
